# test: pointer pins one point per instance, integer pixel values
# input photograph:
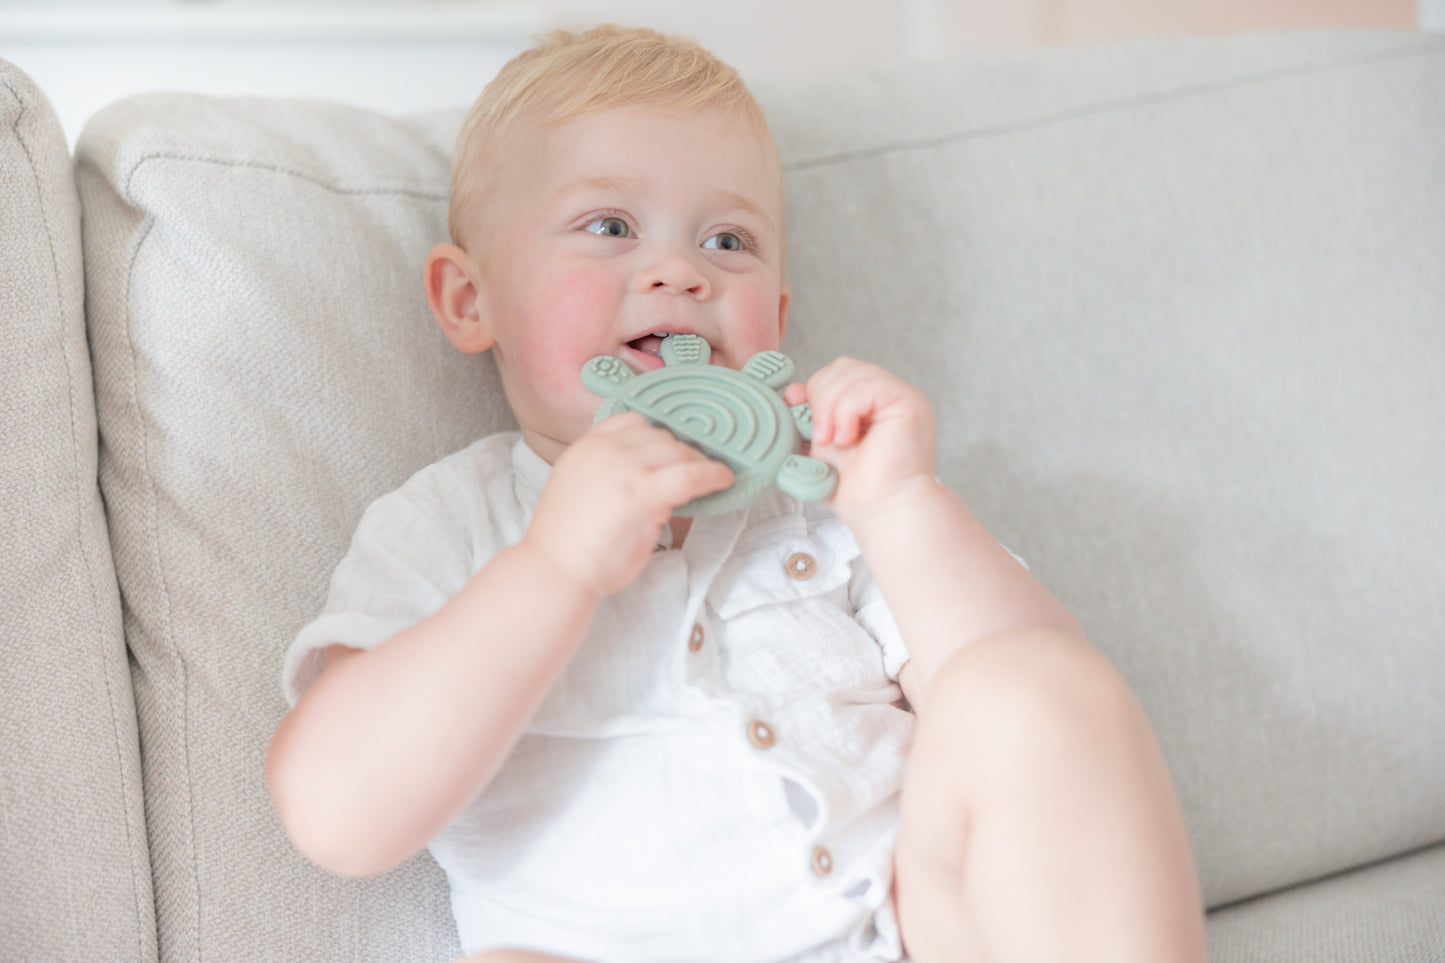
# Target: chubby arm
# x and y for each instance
(390, 744)
(947, 581)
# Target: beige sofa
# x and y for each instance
(1180, 305)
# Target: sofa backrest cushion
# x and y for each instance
(1176, 303)
(265, 366)
(75, 882)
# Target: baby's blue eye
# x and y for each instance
(725, 241)
(609, 227)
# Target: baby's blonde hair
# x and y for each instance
(568, 75)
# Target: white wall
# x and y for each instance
(789, 36)
(403, 55)
(1432, 15)
(399, 56)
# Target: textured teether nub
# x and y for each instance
(772, 368)
(604, 373)
(685, 349)
(803, 419)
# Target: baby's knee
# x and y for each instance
(1007, 718)
(1024, 693)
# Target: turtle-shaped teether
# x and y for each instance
(737, 417)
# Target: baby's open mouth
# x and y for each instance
(648, 343)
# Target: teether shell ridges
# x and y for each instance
(734, 416)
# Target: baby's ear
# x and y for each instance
(783, 300)
(453, 291)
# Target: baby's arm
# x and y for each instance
(947, 581)
(390, 744)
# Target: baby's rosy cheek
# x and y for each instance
(761, 314)
(580, 291)
(578, 317)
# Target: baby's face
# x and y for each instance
(606, 230)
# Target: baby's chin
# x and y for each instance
(550, 443)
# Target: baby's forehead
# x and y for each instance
(723, 120)
(615, 147)
(620, 146)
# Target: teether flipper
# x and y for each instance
(737, 417)
(807, 479)
(604, 373)
(772, 368)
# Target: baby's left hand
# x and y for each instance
(877, 430)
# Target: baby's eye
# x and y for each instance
(725, 241)
(609, 227)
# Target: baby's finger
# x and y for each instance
(827, 389)
(641, 441)
(679, 483)
(620, 422)
(824, 388)
(795, 394)
(661, 448)
(851, 415)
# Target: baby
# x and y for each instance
(859, 731)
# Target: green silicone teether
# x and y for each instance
(737, 417)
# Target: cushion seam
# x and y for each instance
(1303, 884)
(79, 500)
(277, 169)
(164, 590)
(1099, 109)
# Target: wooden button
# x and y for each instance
(761, 734)
(801, 565)
(694, 641)
(822, 861)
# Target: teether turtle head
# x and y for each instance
(737, 417)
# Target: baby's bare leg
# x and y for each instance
(1038, 818)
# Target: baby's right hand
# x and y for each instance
(610, 493)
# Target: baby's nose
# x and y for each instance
(675, 274)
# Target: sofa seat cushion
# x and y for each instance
(1389, 912)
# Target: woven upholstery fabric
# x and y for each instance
(265, 366)
(1392, 912)
(1176, 303)
(76, 880)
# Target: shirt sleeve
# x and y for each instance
(408, 556)
(873, 614)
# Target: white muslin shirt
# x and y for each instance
(715, 775)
